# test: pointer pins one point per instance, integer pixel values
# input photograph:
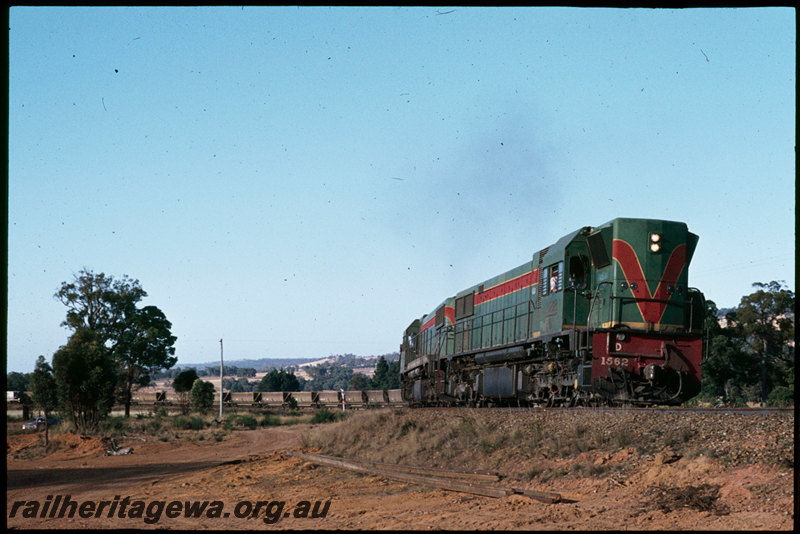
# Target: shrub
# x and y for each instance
(202, 396)
(154, 425)
(247, 421)
(270, 420)
(189, 423)
(181, 423)
(325, 416)
(196, 423)
(407, 426)
(113, 424)
(781, 396)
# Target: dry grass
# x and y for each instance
(529, 444)
(454, 438)
(166, 428)
(443, 438)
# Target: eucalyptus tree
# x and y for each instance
(138, 341)
(766, 319)
(85, 379)
(182, 384)
(43, 392)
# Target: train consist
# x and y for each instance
(283, 399)
(605, 315)
(266, 400)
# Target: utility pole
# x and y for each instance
(220, 379)
(764, 374)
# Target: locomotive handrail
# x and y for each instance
(642, 299)
(576, 342)
(468, 325)
(591, 304)
(694, 291)
(683, 303)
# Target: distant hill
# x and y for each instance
(262, 364)
(265, 364)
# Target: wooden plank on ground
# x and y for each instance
(436, 481)
(483, 476)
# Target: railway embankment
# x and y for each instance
(546, 443)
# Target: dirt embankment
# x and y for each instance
(654, 471)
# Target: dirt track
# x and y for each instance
(83, 467)
(251, 466)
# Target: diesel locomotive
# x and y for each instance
(604, 315)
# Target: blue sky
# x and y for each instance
(306, 181)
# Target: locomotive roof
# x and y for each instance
(549, 255)
(612, 222)
(552, 252)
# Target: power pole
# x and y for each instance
(764, 374)
(220, 379)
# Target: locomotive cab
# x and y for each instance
(408, 349)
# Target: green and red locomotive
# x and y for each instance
(604, 315)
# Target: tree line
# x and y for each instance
(227, 370)
(324, 377)
(750, 352)
(332, 377)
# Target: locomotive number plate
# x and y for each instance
(617, 362)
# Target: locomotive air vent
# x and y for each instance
(543, 253)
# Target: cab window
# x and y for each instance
(553, 280)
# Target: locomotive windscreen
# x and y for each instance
(597, 248)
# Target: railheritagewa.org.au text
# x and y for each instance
(153, 511)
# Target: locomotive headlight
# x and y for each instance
(621, 337)
(651, 372)
(655, 242)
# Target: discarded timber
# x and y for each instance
(404, 474)
(476, 475)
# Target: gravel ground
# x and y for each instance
(615, 470)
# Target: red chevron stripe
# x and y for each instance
(632, 269)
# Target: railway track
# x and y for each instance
(626, 409)
(257, 401)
